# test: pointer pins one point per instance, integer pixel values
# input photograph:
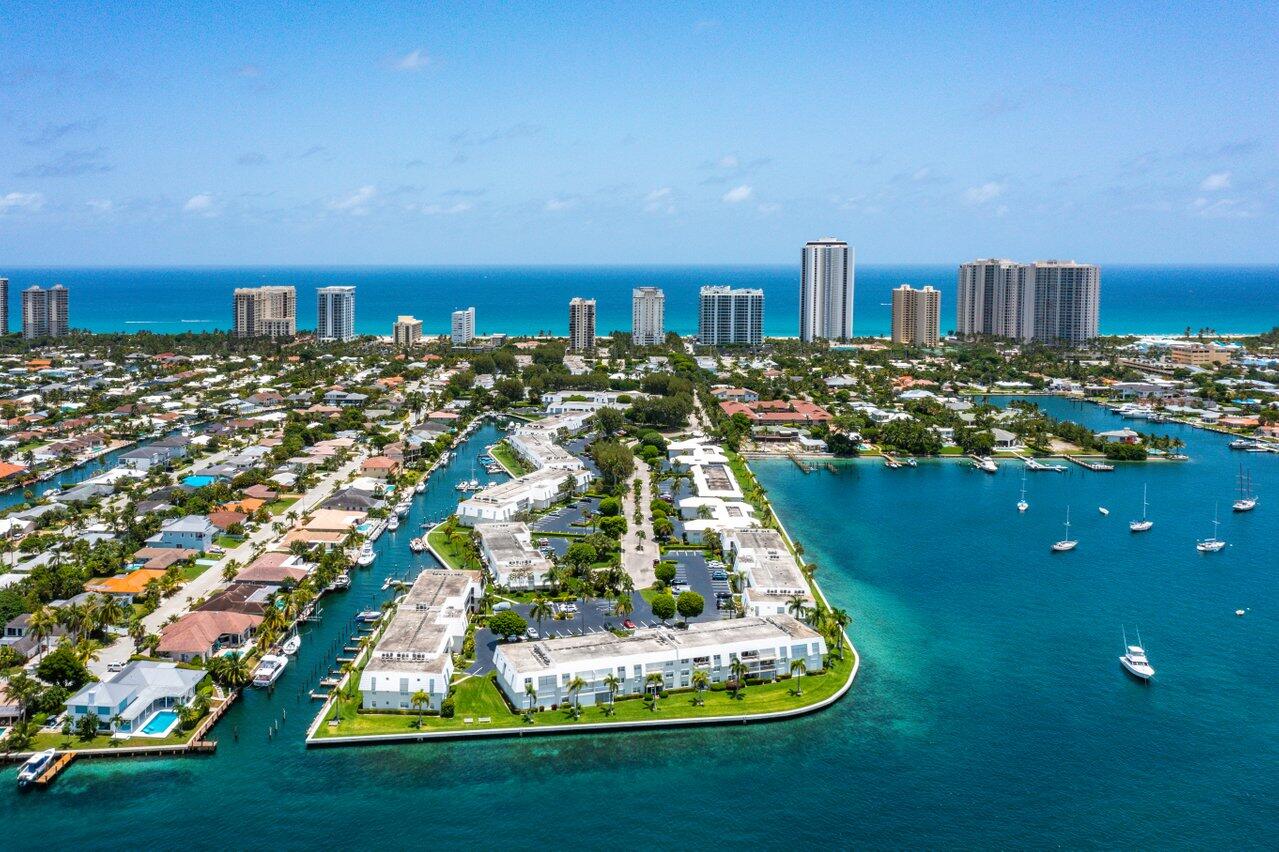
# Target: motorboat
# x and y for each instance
(1242, 444)
(420, 488)
(417, 545)
(1134, 660)
(985, 464)
(369, 616)
(393, 523)
(35, 766)
(292, 645)
(1103, 510)
(269, 669)
(365, 556)
(342, 581)
(1240, 613)
(1214, 544)
(1145, 523)
(402, 508)
(1247, 500)
(1066, 543)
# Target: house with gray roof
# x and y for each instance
(127, 702)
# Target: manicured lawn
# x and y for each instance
(478, 697)
(228, 542)
(451, 555)
(43, 741)
(279, 507)
(192, 570)
(506, 457)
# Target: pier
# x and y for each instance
(799, 463)
(1099, 467)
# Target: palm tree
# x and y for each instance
(739, 671)
(624, 606)
(530, 692)
(655, 681)
(108, 610)
(797, 669)
(575, 686)
(796, 605)
(418, 699)
(701, 680)
(41, 625)
(86, 650)
(611, 681)
(540, 610)
(840, 619)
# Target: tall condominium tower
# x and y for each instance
(916, 316)
(648, 316)
(335, 313)
(1052, 301)
(463, 328)
(4, 305)
(729, 316)
(826, 291)
(407, 331)
(266, 312)
(44, 312)
(581, 324)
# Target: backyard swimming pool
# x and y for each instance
(197, 481)
(160, 724)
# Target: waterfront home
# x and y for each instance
(127, 702)
(1120, 436)
(795, 412)
(276, 569)
(145, 458)
(715, 480)
(1005, 440)
(773, 576)
(200, 635)
(766, 645)
(380, 467)
(416, 650)
(248, 598)
(127, 587)
(10, 709)
(586, 401)
(192, 532)
(512, 560)
(712, 514)
(508, 500)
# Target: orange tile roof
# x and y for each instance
(133, 583)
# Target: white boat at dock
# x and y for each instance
(365, 556)
(986, 464)
(341, 582)
(1134, 660)
(1042, 467)
(420, 488)
(35, 766)
(402, 508)
(269, 669)
(417, 545)
(369, 616)
(393, 523)
(292, 645)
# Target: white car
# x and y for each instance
(115, 667)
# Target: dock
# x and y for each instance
(799, 463)
(1036, 465)
(1099, 467)
(60, 763)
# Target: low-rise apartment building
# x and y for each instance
(773, 575)
(512, 560)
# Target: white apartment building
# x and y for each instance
(416, 650)
(512, 560)
(335, 314)
(916, 316)
(773, 575)
(648, 316)
(4, 305)
(407, 331)
(1052, 301)
(265, 312)
(585, 401)
(509, 500)
(463, 327)
(44, 311)
(581, 324)
(826, 291)
(1067, 298)
(765, 645)
(728, 316)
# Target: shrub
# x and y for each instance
(447, 708)
(610, 506)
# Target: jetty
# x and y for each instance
(1099, 467)
(60, 763)
(1036, 465)
(799, 463)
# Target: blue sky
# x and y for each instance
(636, 133)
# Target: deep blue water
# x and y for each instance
(990, 709)
(525, 300)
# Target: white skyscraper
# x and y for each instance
(1052, 301)
(916, 316)
(44, 312)
(826, 291)
(335, 314)
(648, 316)
(266, 312)
(728, 316)
(463, 327)
(581, 324)
(4, 305)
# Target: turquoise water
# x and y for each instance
(199, 481)
(525, 300)
(160, 723)
(990, 709)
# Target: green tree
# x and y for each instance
(419, 700)
(61, 667)
(701, 680)
(508, 623)
(797, 669)
(664, 607)
(87, 727)
(690, 604)
(609, 421)
(665, 572)
(541, 609)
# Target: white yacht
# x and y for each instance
(1022, 505)
(393, 523)
(35, 766)
(985, 464)
(420, 487)
(402, 508)
(1103, 510)
(1066, 543)
(366, 555)
(270, 669)
(292, 645)
(417, 545)
(1211, 545)
(1134, 660)
(1247, 500)
(1145, 523)
(342, 581)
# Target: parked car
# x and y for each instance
(532, 633)
(719, 575)
(628, 624)
(115, 667)
(501, 606)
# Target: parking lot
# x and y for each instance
(566, 519)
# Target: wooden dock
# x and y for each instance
(1098, 467)
(60, 763)
(799, 463)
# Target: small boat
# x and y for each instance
(1103, 510)
(891, 462)
(1242, 444)
(1247, 500)
(369, 616)
(35, 766)
(393, 523)
(1022, 505)
(1177, 457)
(269, 669)
(985, 464)
(1066, 543)
(1211, 545)
(342, 581)
(402, 508)
(1134, 660)
(417, 545)
(1145, 523)
(420, 487)
(366, 555)
(292, 645)
(1239, 612)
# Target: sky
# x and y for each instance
(597, 133)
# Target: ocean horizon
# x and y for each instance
(528, 299)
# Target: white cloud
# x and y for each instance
(738, 194)
(1216, 182)
(660, 201)
(988, 191)
(446, 209)
(922, 174)
(555, 205)
(202, 204)
(357, 203)
(728, 161)
(768, 207)
(21, 201)
(415, 61)
(1223, 208)
(100, 205)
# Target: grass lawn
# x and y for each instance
(452, 556)
(228, 542)
(279, 507)
(506, 457)
(192, 570)
(43, 741)
(478, 697)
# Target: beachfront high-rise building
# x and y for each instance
(44, 312)
(1052, 301)
(463, 328)
(826, 291)
(581, 324)
(407, 331)
(4, 305)
(916, 316)
(335, 314)
(728, 316)
(266, 312)
(648, 316)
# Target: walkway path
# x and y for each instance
(639, 553)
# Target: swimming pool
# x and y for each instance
(160, 724)
(365, 527)
(199, 481)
